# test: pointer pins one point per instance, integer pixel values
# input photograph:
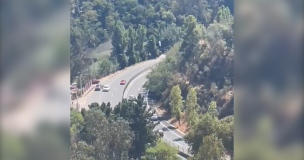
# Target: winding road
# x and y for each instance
(115, 95)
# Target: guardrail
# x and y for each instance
(136, 75)
(182, 150)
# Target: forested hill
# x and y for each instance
(94, 22)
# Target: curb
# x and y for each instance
(134, 80)
(114, 74)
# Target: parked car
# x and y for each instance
(154, 117)
(95, 81)
(161, 133)
(97, 87)
(122, 82)
(106, 88)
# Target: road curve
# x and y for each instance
(114, 96)
(172, 136)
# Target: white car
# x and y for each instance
(154, 117)
(131, 97)
(106, 88)
(161, 132)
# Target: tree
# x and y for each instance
(226, 132)
(111, 140)
(136, 114)
(131, 50)
(105, 67)
(191, 106)
(206, 125)
(212, 109)
(82, 151)
(140, 39)
(176, 102)
(161, 151)
(211, 149)
(151, 47)
(224, 16)
(119, 42)
(76, 120)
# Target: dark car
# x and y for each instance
(97, 87)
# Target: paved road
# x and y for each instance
(172, 136)
(115, 94)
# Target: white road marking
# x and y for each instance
(112, 94)
(138, 89)
(171, 130)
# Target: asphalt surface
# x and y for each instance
(114, 96)
(171, 135)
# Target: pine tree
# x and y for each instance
(176, 102)
(191, 106)
(140, 39)
(152, 48)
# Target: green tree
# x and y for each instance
(191, 106)
(206, 125)
(136, 114)
(224, 16)
(157, 80)
(151, 47)
(226, 132)
(212, 109)
(211, 149)
(176, 102)
(105, 67)
(161, 151)
(81, 151)
(111, 140)
(76, 119)
(119, 42)
(140, 39)
(131, 53)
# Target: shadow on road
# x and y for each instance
(178, 139)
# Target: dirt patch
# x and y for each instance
(182, 125)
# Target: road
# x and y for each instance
(115, 94)
(172, 136)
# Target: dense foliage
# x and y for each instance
(195, 78)
(120, 133)
(138, 29)
(204, 61)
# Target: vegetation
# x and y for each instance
(124, 131)
(161, 151)
(198, 39)
(176, 102)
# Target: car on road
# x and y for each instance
(154, 117)
(161, 133)
(122, 82)
(106, 88)
(132, 97)
(95, 81)
(97, 87)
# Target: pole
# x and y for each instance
(80, 81)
